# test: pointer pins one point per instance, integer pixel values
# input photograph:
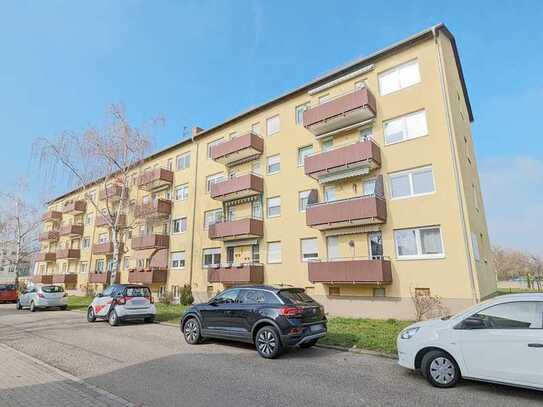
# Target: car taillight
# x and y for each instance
(40, 295)
(291, 311)
(121, 300)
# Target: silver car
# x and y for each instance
(43, 296)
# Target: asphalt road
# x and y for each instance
(151, 365)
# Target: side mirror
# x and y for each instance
(473, 322)
(213, 302)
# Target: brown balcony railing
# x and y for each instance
(340, 112)
(50, 235)
(113, 193)
(155, 178)
(46, 256)
(101, 220)
(237, 149)
(237, 229)
(51, 216)
(105, 248)
(361, 210)
(68, 254)
(99, 277)
(237, 274)
(43, 279)
(75, 207)
(148, 276)
(71, 230)
(343, 160)
(238, 187)
(151, 242)
(350, 271)
(70, 278)
(158, 208)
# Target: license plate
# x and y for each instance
(316, 328)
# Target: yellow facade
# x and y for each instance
(458, 274)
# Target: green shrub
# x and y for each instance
(186, 295)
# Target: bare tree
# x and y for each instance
(106, 158)
(427, 305)
(19, 225)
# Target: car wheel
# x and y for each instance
(18, 306)
(309, 344)
(113, 318)
(32, 306)
(91, 316)
(192, 332)
(64, 307)
(268, 343)
(149, 320)
(440, 369)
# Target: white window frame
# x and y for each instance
(397, 71)
(310, 255)
(211, 144)
(176, 259)
(410, 173)
(301, 196)
(214, 212)
(268, 172)
(404, 126)
(278, 252)
(183, 158)
(418, 243)
(255, 128)
(184, 190)
(180, 222)
(214, 179)
(278, 197)
(300, 109)
(274, 130)
(213, 251)
(302, 156)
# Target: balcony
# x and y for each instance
(343, 162)
(237, 274)
(51, 216)
(99, 277)
(350, 271)
(75, 207)
(46, 256)
(343, 111)
(157, 209)
(238, 149)
(361, 210)
(113, 193)
(151, 242)
(238, 187)
(101, 220)
(42, 279)
(49, 236)
(71, 230)
(105, 248)
(147, 276)
(70, 254)
(237, 229)
(155, 179)
(65, 278)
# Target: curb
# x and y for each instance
(359, 351)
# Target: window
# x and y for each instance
(274, 252)
(302, 153)
(88, 219)
(274, 207)
(274, 164)
(366, 134)
(419, 243)
(511, 315)
(255, 128)
(475, 244)
(329, 193)
(299, 112)
(368, 187)
(213, 216)
(303, 198)
(360, 84)
(227, 297)
(399, 77)
(379, 292)
(213, 179)
(327, 144)
(212, 144)
(82, 267)
(233, 135)
(85, 244)
(406, 127)
(324, 98)
(181, 192)
(179, 225)
(255, 167)
(309, 249)
(212, 257)
(182, 161)
(257, 297)
(412, 183)
(126, 262)
(256, 209)
(103, 238)
(178, 260)
(273, 125)
(99, 265)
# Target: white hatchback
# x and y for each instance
(122, 302)
(499, 341)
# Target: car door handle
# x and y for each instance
(535, 345)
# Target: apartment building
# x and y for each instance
(360, 186)
(8, 255)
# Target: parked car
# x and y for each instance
(272, 318)
(499, 341)
(8, 293)
(43, 297)
(122, 302)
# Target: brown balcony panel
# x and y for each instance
(112, 193)
(75, 207)
(155, 178)
(65, 278)
(238, 149)
(237, 229)
(346, 160)
(160, 208)
(68, 254)
(247, 273)
(147, 276)
(105, 248)
(51, 216)
(151, 242)
(238, 187)
(71, 230)
(99, 278)
(350, 272)
(343, 111)
(101, 220)
(44, 279)
(50, 235)
(362, 210)
(46, 256)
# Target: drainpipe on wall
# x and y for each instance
(195, 132)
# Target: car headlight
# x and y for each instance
(409, 333)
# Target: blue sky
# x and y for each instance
(199, 62)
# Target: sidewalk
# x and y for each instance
(26, 381)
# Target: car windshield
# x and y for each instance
(7, 287)
(137, 292)
(52, 289)
(296, 297)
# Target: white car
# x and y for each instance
(43, 297)
(122, 302)
(498, 341)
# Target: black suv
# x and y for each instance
(273, 318)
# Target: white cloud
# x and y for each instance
(513, 192)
